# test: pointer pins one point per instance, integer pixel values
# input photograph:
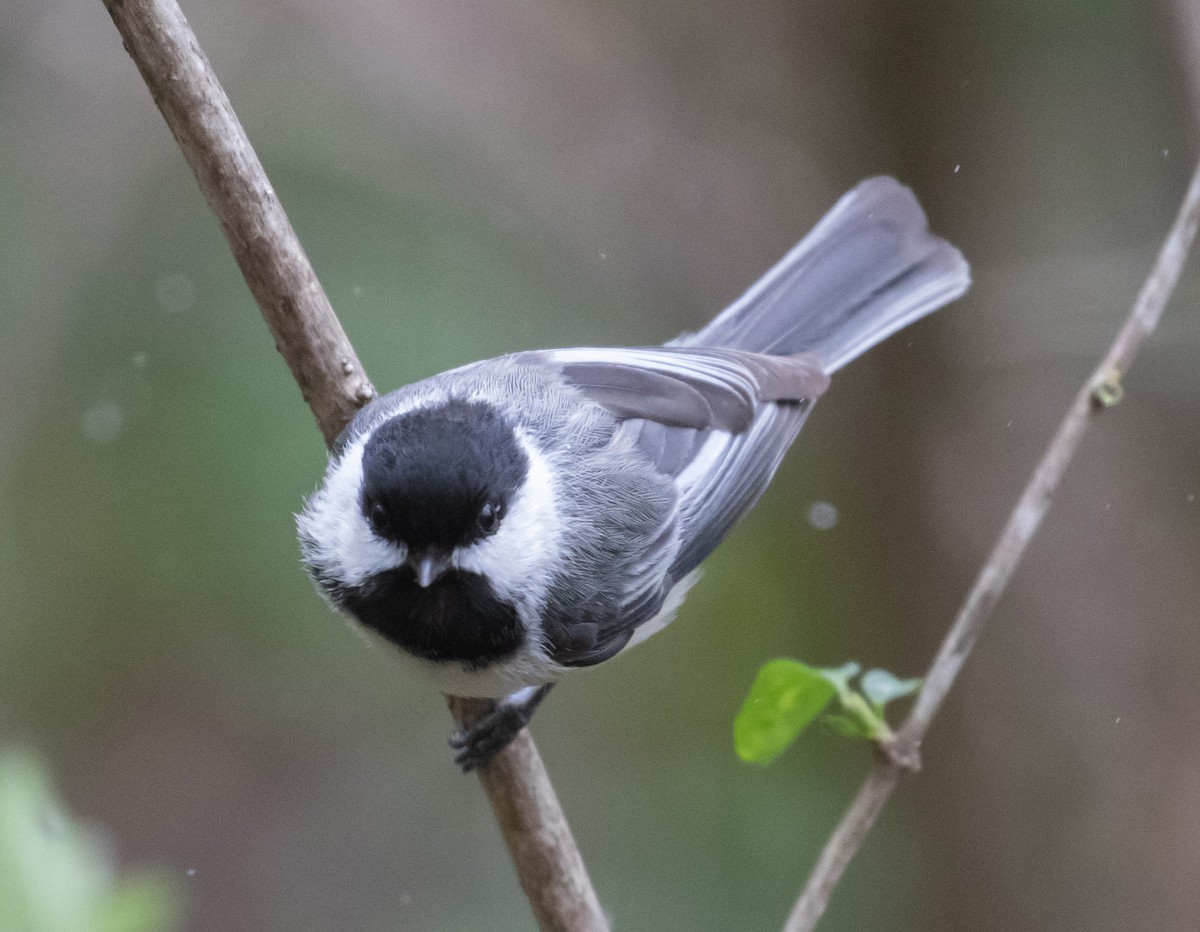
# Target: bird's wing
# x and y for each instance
(682, 386)
(717, 421)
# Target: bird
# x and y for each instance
(511, 520)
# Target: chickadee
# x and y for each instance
(508, 521)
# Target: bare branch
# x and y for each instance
(185, 88)
(311, 340)
(539, 839)
(1101, 390)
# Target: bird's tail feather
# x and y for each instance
(870, 267)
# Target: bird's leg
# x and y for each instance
(491, 734)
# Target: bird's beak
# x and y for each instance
(428, 566)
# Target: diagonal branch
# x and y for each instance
(307, 333)
(1101, 390)
(310, 338)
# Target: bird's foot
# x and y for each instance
(483, 740)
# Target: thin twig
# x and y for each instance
(1102, 389)
(310, 338)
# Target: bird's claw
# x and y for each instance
(479, 743)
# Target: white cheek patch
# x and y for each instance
(518, 557)
(335, 538)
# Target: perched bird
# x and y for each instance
(505, 522)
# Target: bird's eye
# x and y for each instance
(377, 517)
(489, 517)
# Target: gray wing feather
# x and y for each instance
(693, 387)
(629, 391)
(870, 267)
(735, 470)
(717, 421)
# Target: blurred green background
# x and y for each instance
(471, 178)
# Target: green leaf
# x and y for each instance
(55, 876)
(142, 903)
(881, 687)
(50, 874)
(848, 726)
(785, 698)
(787, 695)
(868, 721)
(840, 677)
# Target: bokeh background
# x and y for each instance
(476, 177)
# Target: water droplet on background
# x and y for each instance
(102, 422)
(822, 515)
